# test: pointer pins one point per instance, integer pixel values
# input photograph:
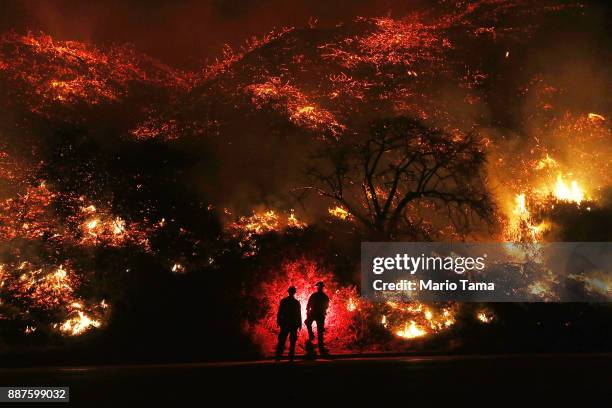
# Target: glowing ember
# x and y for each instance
(544, 288)
(290, 101)
(231, 56)
(31, 215)
(351, 305)
(394, 42)
(49, 293)
(178, 268)
(247, 228)
(411, 330)
(91, 225)
(341, 213)
(101, 228)
(258, 223)
(415, 319)
(70, 73)
(293, 222)
(596, 117)
(43, 289)
(485, 316)
(28, 215)
(546, 162)
(79, 324)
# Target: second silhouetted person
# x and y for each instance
(316, 310)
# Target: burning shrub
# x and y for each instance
(352, 323)
(247, 228)
(43, 297)
(299, 109)
(69, 73)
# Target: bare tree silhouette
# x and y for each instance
(394, 178)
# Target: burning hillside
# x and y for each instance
(125, 182)
(69, 81)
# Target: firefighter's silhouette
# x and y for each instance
(316, 310)
(289, 319)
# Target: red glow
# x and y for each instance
(303, 274)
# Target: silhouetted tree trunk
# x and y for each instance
(403, 179)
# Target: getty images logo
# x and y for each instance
(413, 264)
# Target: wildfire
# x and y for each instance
(266, 221)
(340, 212)
(70, 73)
(178, 268)
(31, 216)
(52, 291)
(381, 66)
(411, 330)
(570, 193)
(42, 288)
(230, 56)
(28, 215)
(101, 228)
(293, 222)
(79, 324)
(485, 316)
(40, 293)
(415, 319)
(393, 42)
(540, 288)
(522, 226)
(292, 102)
(565, 160)
(247, 228)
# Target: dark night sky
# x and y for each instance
(182, 33)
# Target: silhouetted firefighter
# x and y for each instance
(316, 309)
(289, 319)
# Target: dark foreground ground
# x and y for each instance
(488, 380)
